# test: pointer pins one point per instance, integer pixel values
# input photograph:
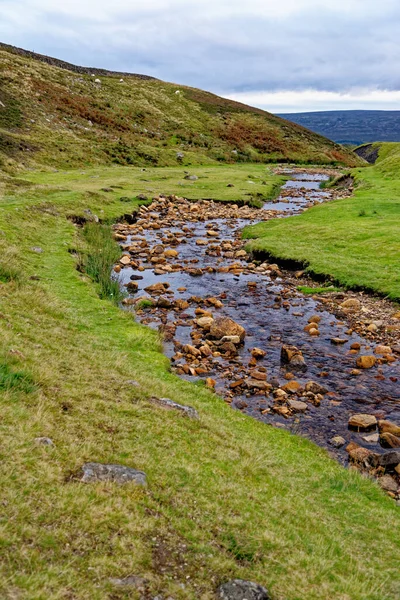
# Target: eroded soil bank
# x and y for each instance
(308, 364)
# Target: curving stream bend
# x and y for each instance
(196, 250)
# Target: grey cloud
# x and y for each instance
(320, 49)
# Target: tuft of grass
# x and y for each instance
(143, 304)
(304, 289)
(15, 381)
(102, 253)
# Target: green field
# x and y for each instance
(247, 183)
(356, 240)
(227, 496)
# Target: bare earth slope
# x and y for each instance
(56, 114)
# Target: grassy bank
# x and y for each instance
(234, 183)
(226, 496)
(355, 240)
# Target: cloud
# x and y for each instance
(312, 100)
(227, 46)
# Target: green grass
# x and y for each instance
(354, 240)
(227, 496)
(304, 289)
(59, 118)
(252, 184)
(11, 380)
(102, 252)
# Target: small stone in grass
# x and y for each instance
(94, 472)
(237, 589)
(44, 441)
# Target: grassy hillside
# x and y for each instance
(56, 117)
(355, 240)
(227, 496)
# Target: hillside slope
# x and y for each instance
(351, 126)
(56, 114)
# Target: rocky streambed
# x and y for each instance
(325, 367)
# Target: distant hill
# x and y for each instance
(351, 126)
(53, 113)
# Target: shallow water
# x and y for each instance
(273, 313)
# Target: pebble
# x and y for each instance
(239, 589)
(337, 442)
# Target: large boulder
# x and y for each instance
(242, 590)
(224, 326)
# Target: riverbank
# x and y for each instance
(185, 269)
(354, 241)
(226, 496)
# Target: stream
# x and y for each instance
(195, 249)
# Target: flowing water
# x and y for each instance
(271, 309)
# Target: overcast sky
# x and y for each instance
(281, 55)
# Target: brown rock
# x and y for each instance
(366, 362)
(163, 302)
(205, 350)
(157, 288)
(383, 350)
(188, 349)
(205, 323)
(355, 346)
(214, 302)
(223, 326)
(257, 353)
(359, 454)
(132, 287)
(181, 304)
(315, 388)
(351, 304)
(314, 332)
(314, 319)
(388, 484)
(388, 427)
(388, 440)
(259, 385)
(125, 260)
(355, 372)
(236, 384)
(292, 387)
(171, 253)
(362, 421)
(259, 376)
